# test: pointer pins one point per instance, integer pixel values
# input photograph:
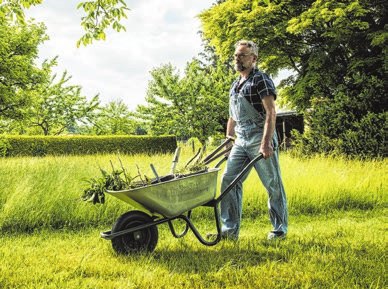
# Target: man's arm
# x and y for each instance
(269, 126)
(230, 132)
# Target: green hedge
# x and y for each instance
(82, 145)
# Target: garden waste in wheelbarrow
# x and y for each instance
(168, 199)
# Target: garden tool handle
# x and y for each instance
(155, 173)
(177, 153)
(175, 160)
(218, 155)
(210, 156)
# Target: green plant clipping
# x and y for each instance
(117, 180)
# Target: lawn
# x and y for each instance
(337, 238)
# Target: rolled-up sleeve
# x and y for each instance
(265, 86)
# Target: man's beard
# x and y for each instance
(241, 66)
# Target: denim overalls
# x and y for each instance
(249, 131)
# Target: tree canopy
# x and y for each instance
(58, 106)
(99, 15)
(113, 119)
(337, 52)
(19, 75)
(194, 105)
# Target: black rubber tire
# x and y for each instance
(135, 242)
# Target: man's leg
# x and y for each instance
(231, 204)
(270, 175)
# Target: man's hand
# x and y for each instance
(266, 150)
(228, 145)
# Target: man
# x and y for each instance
(252, 120)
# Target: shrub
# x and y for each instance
(4, 146)
(84, 145)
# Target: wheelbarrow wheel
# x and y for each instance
(140, 240)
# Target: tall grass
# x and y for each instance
(45, 192)
(321, 185)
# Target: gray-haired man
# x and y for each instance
(252, 120)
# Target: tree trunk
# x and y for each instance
(203, 144)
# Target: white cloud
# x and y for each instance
(158, 32)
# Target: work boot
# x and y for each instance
(276, 236)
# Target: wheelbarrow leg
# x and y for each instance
(198, 235)
(172, 229)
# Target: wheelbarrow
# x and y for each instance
(169, 198)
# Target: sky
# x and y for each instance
(158, 32)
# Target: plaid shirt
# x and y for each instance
(259, 85)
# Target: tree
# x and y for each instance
(19, 76)
(338, 53)
(100, 15)
(58, 106)
(209, 60)
(113, 119)
(193, 105)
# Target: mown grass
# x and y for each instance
(337, 238)
(345, 251)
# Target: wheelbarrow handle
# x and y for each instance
(239, 177)
(224, 159)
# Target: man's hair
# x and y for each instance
(252, 45)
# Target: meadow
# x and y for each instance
(49, 238)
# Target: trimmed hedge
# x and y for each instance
(20, 146)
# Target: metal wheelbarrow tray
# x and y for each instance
(174, 195)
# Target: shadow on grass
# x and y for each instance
(337, 250)
(191, 257)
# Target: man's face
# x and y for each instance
(244, 60)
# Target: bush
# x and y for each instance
(367, 139)
(85, 145)
(4, 146)
(353, 122)
(217, 139)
